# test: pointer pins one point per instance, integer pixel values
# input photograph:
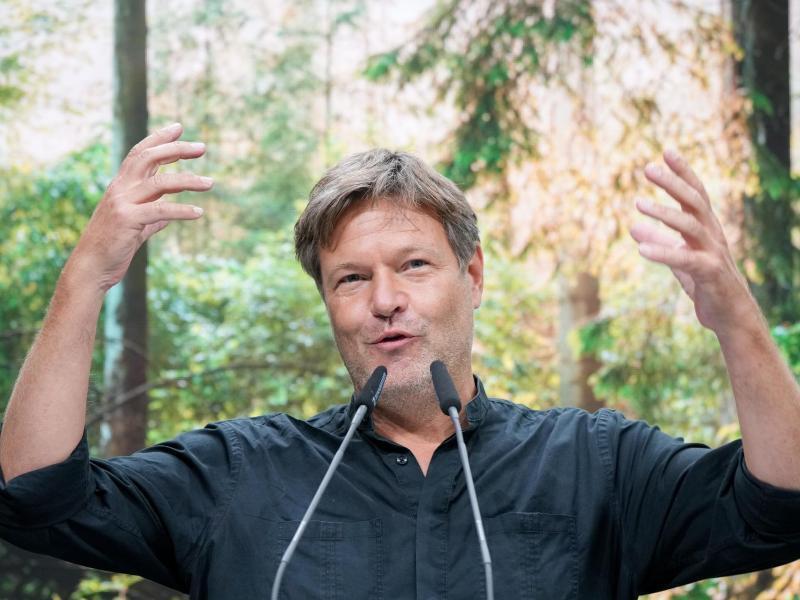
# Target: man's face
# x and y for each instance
(397, 297)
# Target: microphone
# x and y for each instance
(365, 400)
(450, 404)
(369, 394)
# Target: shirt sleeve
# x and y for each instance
(147, 514)
(687, 512)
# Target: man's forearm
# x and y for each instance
(767, 401)
(46, 414)
(767, 396)
(47, 411)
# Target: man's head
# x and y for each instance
(394, 249)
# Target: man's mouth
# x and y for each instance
(391, 340)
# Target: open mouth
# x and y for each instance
(392, 340)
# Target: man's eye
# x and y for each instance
(350, 278)
(416, 263)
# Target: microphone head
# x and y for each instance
(445, 390)
(369, 394)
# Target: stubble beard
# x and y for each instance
(408, 393)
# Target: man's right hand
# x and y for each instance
(132, 209)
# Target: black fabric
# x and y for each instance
(574, 505)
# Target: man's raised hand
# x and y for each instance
(133, 209)
(700, 258)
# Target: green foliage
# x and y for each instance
(282, 161)
(10, 91)
(380, 66)
(12, 77)
(262, 144)
(761, 103)
(484, 66)
(97, 587)
(700, 591)
(29, 30)
(509, 357)
(41, 217)
(238, 337)
(772, 219)
(788, 339)
(658, 363)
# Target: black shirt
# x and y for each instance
(575, 505)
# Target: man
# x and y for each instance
(574, 505)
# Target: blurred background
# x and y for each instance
(544, 111)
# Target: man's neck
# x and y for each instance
(423, 423)
(418, 425)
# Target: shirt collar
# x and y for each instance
(476, 408)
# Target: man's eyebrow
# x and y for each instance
(346, 266)
(403, 251)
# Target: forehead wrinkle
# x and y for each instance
(384, 220)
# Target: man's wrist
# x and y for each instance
(79, 274)
(747, 327)
(79, 282)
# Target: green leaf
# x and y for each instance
(761, 103)
(379, 66)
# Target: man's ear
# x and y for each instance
(475, 273)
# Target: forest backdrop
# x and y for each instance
(544, 111)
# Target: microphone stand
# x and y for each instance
(450, 404)
(366, 400)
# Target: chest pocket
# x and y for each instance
(534, 555)
(334, 560)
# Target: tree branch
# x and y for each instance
(110, 405)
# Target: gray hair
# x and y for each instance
(381, 174)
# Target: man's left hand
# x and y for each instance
(700, 259)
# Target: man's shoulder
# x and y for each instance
(599, 435)
(607, 428)
(504, 417)
(563, 415)
(281, 423)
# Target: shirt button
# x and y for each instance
(402, 459)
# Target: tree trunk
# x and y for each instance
(579, 301)
(126, 304)
(327, 137)
(762, 30)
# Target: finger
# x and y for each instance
(152, 229)
(648, 233)
(645, 233)
(161, 136)
(688, 197)
(681, 168)
(684, 223)
(148, 160)
(159, 184)
(681, 258)
(152, 213)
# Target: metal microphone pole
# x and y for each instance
(366, 401)
(450, 404)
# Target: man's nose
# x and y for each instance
(388, 296)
